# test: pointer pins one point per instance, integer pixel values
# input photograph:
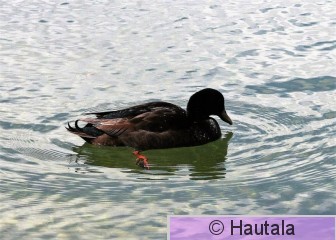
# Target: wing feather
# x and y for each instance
(132, 111)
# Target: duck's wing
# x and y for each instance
(160, 119)
(154, 117)
(111, 127)
(133, 111)
(150, 117)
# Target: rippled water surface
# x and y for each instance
(273, 60)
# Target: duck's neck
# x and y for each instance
(196, 116)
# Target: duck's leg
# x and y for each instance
(141, 160)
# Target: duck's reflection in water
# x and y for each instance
(200, 162)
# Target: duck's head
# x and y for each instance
(207, 102)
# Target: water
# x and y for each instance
(273, 60)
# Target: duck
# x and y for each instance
(156, 125)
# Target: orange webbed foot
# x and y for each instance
(141, 160)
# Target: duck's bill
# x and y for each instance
(225, 117)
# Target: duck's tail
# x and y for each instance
(88, 132)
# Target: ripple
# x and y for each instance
(36, 146)
(276, 148)
(316, 84)
(321, 46)
(297, 23)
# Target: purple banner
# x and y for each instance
(252, 228)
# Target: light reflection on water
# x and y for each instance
(273, 61)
